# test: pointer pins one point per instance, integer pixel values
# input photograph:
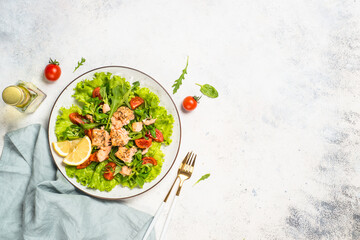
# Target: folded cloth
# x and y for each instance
(37, 202)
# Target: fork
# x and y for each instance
(184, 173)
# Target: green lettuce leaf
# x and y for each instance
(164, 121)
(64, 125)
(84, 89)
(99, 182)
(84, 175)
(155, 152)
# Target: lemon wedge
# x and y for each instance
(80, 153)
(65, 147)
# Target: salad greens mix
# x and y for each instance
(116, 92)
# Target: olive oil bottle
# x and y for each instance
(24, 96)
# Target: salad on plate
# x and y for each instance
(114, 135)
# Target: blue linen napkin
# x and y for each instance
(37, 202)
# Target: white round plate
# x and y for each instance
(65, 99)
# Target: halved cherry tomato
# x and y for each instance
(109, 171)
(135, 102)
(96, 93)
(84, 164)
(76, 118)
(88, 132)
(143, 143)
(92, 158)
(159, 136)
(150, 160)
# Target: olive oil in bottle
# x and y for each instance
(24, 96)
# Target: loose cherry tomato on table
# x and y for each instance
(109, 171)
(52, 71)
(76, 118)
(190, 103)
(135, 102)
(150, 160)
(159, 136)
(143, 143)
(96, 93)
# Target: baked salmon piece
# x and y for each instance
(103, 153)
(119, 136)
(149, 121)
(126, 154)
(122, 117)
(100, 138)
(105, 108)
(125, 171)
(137, 126)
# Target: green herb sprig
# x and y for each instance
(80, 63)
(178, 82)
(202, 178)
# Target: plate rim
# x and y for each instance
(118, 198)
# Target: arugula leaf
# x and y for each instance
(90, 125)
(208, 90)
(202, 178)
(178, 82)
(80, 63)
(135, 86)
(120, 95)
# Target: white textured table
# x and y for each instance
(282, 140)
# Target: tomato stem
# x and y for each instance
(197, 99)
(54, 62)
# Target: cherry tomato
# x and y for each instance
(52, 70)
(109, 171)
(84, 164)
(143, 143)
(159, 136)
(88, 132)
(190, 103)
(76, 118)
(92, 158)
(150, 160)
(96, 93)
(135, 102)
(109, 176)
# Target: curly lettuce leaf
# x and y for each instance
(155, 152)
(99, 182)
(84, 175)
(164, 121)
(64, 127)
(84, 89)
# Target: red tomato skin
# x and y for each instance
(149, 160)
(112, 165)
(189, 103)
(52, 72)
(109, 176)
(75, 118)
(143, 143)
(96, 93)
(84, 164)
(88, 132)
(136, 102)
(109, 171)
(159, 136)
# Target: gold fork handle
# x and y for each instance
(179, 188)
(167, 196)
